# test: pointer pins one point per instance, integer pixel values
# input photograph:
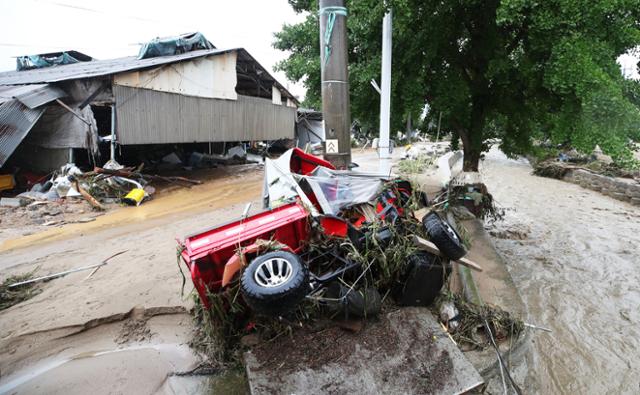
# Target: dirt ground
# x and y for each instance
(75, 307)
(90, 318)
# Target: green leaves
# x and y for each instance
(515, 69)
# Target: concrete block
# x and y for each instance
(633, 192)
(621, 187)
(406, 352)
(13, 202)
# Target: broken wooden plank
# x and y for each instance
(428, 246)
(134, 174)
(87, 196)
(71, 110)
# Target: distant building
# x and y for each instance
(177, 90)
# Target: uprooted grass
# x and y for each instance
(220, 329)
(486, 205)
(415, 166)
(15, 295)
(471, 329)
(386, 262)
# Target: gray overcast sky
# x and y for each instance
(114, 28)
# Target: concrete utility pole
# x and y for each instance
(385, 96)
(335, 83)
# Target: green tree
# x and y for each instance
(518, 70)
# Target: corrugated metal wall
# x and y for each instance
(16, 120)
(145, 116)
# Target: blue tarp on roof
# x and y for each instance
(174, 45)
(29, 62)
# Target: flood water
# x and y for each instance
(574, 254)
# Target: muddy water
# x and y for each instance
(575, 256)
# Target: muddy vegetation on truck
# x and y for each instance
(229, 326)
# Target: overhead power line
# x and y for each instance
(110, 13)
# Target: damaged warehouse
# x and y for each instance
(59, 108)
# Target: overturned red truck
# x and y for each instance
(307, 202)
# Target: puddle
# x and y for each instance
(53, 373)
(231, 383)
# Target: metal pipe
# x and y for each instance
(385, 82)
(113, 132)
(64, 273)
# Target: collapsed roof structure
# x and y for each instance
(177, 90)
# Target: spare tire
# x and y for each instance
(443, 236)
(274, 283)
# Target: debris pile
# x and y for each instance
(557, 166)
(331, 243)
(465, 321)
(109, 184)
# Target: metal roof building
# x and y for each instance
(205, 95)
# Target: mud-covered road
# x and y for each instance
(574, 254)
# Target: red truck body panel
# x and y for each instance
(207, 253)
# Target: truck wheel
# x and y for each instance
(364, 303)
(274, 283)
(443, 236)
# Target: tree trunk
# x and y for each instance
(471, 159)
(472, 138)
(472, 149)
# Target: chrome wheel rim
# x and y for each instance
(273, 272)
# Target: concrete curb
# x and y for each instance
(516, 355)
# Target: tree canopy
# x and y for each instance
(518, 70)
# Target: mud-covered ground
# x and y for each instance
(574, 255)
(93, 318)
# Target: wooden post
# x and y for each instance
(335, 83)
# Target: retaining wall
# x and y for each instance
(617, 188)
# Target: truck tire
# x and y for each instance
(364, 303)
(422, 281)
(443, 236)
(274, 283)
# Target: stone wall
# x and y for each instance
(618, 188)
